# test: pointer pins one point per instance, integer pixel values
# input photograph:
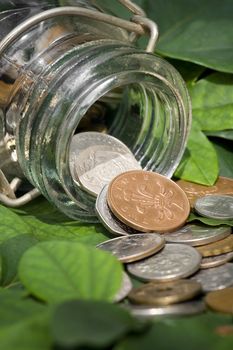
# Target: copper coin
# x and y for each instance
(147, 201)
(194, 191)
(216, 248)
(221, 300)
(165, 293)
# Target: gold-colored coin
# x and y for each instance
(165, 293)
(216, 248)
(221, 300)
(223, 185)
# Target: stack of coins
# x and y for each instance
(181, 266)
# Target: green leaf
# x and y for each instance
(197, 32)
(11, 224)
(212, 102)
(194, 333)
(199, 163)
(225, 157)
(189, 71)
(209, 221)
(11, 252)
(23, 323)
(47, 223)
(225, 134)
(90, 323)
(60, 270)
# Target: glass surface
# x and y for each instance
(67, 74)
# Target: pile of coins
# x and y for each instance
(182, 267)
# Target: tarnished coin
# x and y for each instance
(107, 218)
(193, 191)
(96, 158)
(196, 235)
(133, 247)
(182, 309)
(215, 206)
(165, 293)
(124, 290)
(175, 261)
(216, 278)
(213, 261)
(221, 300)
(147, 201)
(216, 248)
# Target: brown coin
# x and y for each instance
(193, 191)
(221, 300)
(216, 248)
(147, 201)
(165, 293)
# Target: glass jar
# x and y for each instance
(60, 71)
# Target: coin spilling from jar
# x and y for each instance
(178, 264)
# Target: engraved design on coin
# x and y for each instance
(95, 159)
(215, 206)
(125, 289)
(213, 261)
(196, 235)
(107, 218)
(133, 247)
(148, 201)
(173, 262)
(215, 278)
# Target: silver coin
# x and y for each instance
(215, 278)
(173, 262)
(96, 158)
(133, 247)
(124, 290)
(213, 261)
(181, 309)
(215, 206)
(196, 235)
(107, 218)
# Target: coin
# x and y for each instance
(196, 235)
(215, 206)
(216, 248)
(213, 261)
(221, 300)
(193, 191)
(165, 293)
(124, 290)
(133, 247)
(147, 201)
(216, 278)
(107, 218)
(175, 261)
(186, 308)
(96, 158)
